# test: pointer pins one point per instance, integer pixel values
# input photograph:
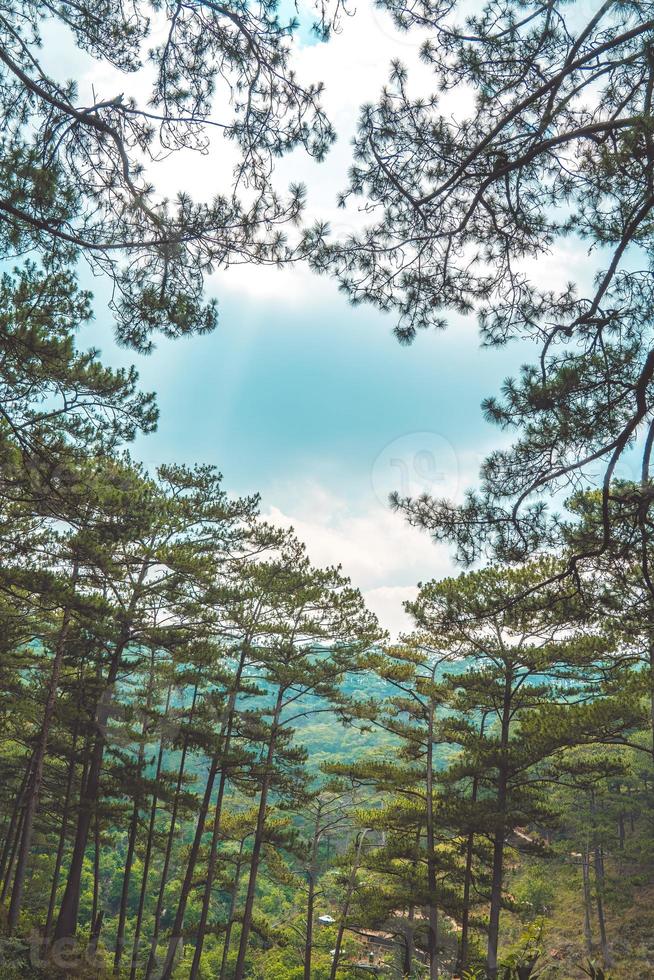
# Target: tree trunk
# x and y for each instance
(176, 935)
(148, 850)
(500, 834)
(95, 908)
(156, 926)
(258, 842)
(308, 944)
(96, 929)
(225, 745)
(346, 905)
(68, 912)
(33, 792)
(431, 856)
(311, 876)
(407, 965)
(585, 872)
(12, 833)
(467, 878)
(12, 858)
(208, 886)
(129, 860)
(599, 900)
(62, 833)
(598, 863)
(232, 911)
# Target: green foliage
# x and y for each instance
(207, 744)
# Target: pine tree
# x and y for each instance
(527, 669)
(462, 202)
(75, 173)
(178, 531)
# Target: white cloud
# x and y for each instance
(353, 66)
(377, 549)
(387, 604)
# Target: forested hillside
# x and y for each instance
(215, 760)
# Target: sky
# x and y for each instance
(298, 395)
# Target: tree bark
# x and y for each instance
(12, 832)
(129, 860)
(95, 909)
(156, 926)
(585, 872)
(12, 858)
(225, 745)
(176, 935)
(598, 865)
(62, 833)
(467, 878)
(311, 876)
(232, 911)
(432, 911)
(346, 905)
(33, 792)
(148, 850)
(208, 887)
(258, 842)
(500, 834)
(68, 912)
(599, 901)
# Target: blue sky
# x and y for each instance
(315, 405)
(299, 396)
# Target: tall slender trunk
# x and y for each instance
(12, 857)
(346, 904)
(62, 831)
(431, 843)
(585, 874)
(95, 906)
(467, 877)
(96, 929)
(258, 841)
(148, 850)
(308, 944)
(500, 833)
(599, 901)
(410, 939)
(223, 743)
(211, 871)
(176, 935)
(409, 947)
(33, 792)
(156, 926)
(598, 866)
(225, 746)
(129, 860)
(232, 911)
(12, 832)
(96, 915)
(312, 871)
(68, 912)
